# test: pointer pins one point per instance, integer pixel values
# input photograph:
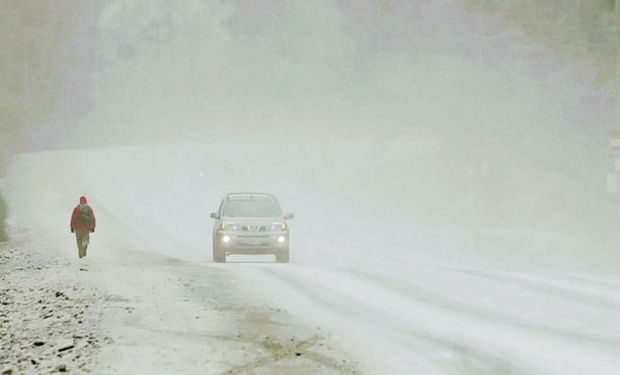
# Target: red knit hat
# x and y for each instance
(83, 200)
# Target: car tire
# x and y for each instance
(282, 256)
(219, 256)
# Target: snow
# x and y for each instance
(380, 293)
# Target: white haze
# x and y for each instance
(449, 189)
(398, 110)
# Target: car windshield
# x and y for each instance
(260, 207)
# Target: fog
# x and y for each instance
(448, 164)
(439, 113)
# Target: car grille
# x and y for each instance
(254, 239)
(254, 228)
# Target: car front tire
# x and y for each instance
(282, 256)
(219, 256)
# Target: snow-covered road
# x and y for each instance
(367, 294)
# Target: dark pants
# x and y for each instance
(82, 237)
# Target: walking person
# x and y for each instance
(82, 224)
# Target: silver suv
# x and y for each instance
(250, 223)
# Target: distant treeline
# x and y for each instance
(579, 30)
(35, 62)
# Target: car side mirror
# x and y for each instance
(214, 215)
(289, 216)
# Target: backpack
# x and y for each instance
(83, 214)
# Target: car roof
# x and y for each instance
(250, 196)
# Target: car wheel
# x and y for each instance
(219, 256)
(282, 256)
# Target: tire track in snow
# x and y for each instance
(424, 295)
(465, 358)
(544, 288)
(615, 286)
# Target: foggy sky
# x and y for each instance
(452, 101)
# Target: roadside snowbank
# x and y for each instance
(3, 214)
(49, 320)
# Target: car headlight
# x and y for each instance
(232, 227)
(277, 227)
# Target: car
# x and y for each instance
(250, 223)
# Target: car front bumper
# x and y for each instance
(251, 243)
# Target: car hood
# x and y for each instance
(252, 220)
